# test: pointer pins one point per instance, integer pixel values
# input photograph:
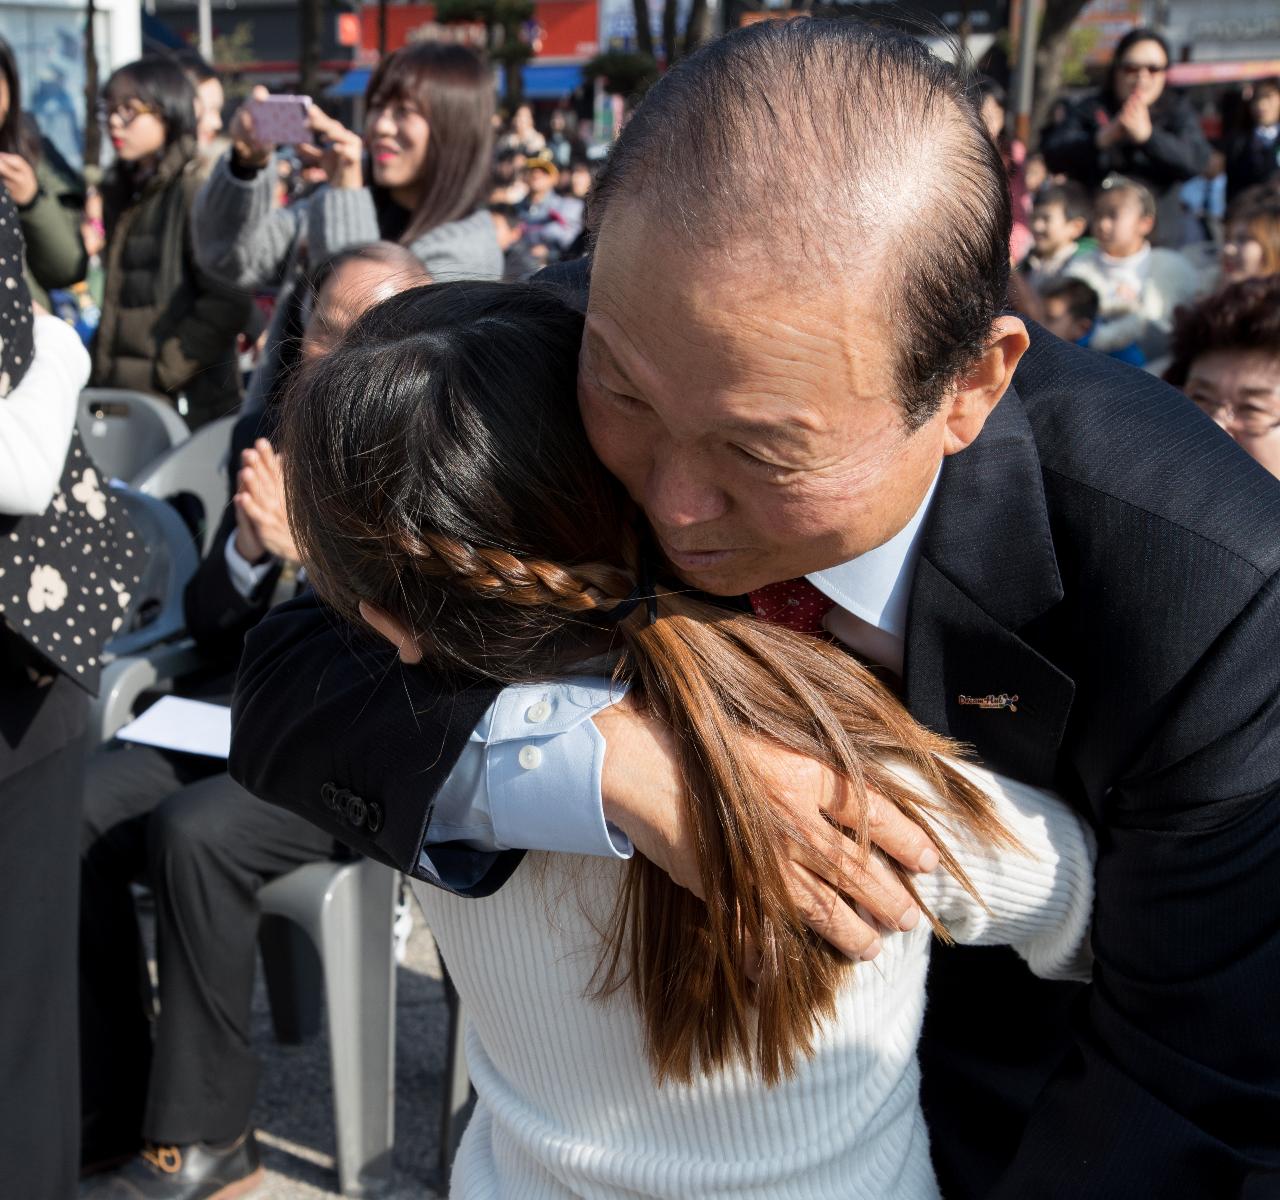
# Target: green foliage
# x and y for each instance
(1075, 65)
(230, 50)
(624, 73)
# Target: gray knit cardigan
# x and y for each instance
(241, 239)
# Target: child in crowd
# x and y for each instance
(1070, 309)
(1058, 221)
(1138, 285)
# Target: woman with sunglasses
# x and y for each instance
(417, 175)
(166, 328)
(1136, 127)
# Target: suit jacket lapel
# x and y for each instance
(987, 569)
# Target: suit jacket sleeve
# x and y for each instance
(1178, 1031)
(331, 725)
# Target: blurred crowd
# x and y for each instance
(209, 262)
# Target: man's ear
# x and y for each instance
(388, 627)
(980, 389)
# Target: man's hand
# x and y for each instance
(18, 176)
(643, 796)
(260, 504)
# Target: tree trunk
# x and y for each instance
(644, 35)
(1051, 55)
(310, 16)
(695, 32)
(670, 48)
(92, 130)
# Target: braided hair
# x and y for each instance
(437, 467)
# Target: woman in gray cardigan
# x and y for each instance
(417, 177)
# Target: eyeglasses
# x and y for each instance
(1136, 68)
(1249, 419)
(127, 110)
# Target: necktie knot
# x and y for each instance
(793, 603)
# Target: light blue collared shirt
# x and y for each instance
(529, 776)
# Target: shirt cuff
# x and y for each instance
(543, 769)
(246, 577)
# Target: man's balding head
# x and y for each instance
(801, 253)
(829, 147)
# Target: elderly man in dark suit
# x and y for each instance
(818, 402)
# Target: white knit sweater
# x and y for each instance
(567, 1105)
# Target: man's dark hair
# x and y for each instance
(163, 87)
(196, 66)
(1081, 300)
(1071, 197)
(1243, 316)
(845, 136)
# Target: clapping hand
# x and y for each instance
(262, 516)
(1135, 119)
(19, 177)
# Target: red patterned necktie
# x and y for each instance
(795, 603)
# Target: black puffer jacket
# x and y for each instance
(166, 327)
(1176, 151)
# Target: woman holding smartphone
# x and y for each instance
(417, 176)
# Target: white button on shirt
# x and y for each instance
(514, 788)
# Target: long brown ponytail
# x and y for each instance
(437, 468)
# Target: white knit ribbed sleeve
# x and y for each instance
(1039, 901)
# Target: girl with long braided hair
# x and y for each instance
(628, 1037)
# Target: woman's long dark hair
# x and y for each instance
(454, 90)
(18, 134)
(438, 468)
(1110, 99)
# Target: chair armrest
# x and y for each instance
(124, 679)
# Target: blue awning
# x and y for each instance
(351, 85)
(546, 82)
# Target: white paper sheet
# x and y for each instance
(193, 726)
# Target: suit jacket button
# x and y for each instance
(374, 820)
(356, 811)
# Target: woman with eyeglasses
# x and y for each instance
(1136, 127)
(48, 197)
(1226, 357)
(418, 175)
(167, 327)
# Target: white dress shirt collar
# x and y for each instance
(876, 585)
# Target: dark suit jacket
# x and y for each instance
(1250, 163)
(217, 615)
(1105, 554)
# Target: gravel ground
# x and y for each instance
(294, 1113)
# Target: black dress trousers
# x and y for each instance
(182, 1071)
(39, 1125)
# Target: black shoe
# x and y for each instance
(193, 1172)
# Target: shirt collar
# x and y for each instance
(877, 585)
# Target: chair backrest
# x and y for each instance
(192, 476)
(156, 612)
(125, 430)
